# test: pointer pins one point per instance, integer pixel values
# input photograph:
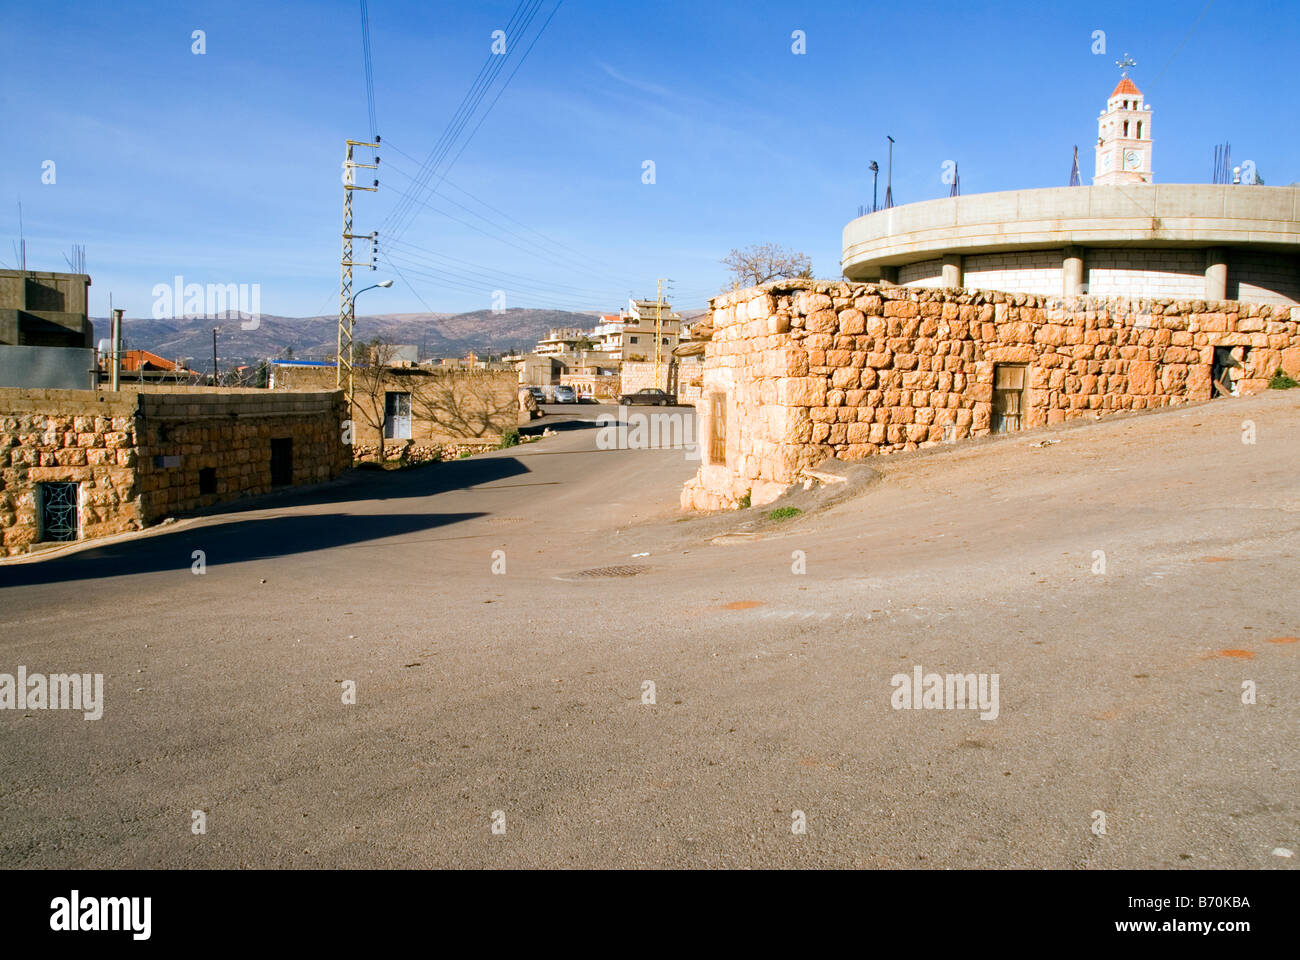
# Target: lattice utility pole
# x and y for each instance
(347, 306)
(659, 329)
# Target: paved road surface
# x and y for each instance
(521, 692)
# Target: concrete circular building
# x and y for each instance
(1123, 236)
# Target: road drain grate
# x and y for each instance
(626, 570)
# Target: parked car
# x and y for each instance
(538, 394)
(650, 395)
(565, 394)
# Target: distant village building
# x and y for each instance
(609, 335)
(643, 322)
(631, 348)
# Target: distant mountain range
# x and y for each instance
(315, 338)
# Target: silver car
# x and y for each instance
(564, 394)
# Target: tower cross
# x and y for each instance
(1125, 62)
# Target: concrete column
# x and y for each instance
(1072, 272)
(1216, 273)
(952, 270)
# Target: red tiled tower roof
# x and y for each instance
(1127, 87)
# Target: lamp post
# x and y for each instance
(889, 181)
(352, 304)
(875, 176)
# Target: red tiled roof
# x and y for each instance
(1127, 87)
(134, 359)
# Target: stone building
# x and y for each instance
(409, 404)
(44, 309)
(79, 464)
(1123, 237)
(45, 330)
(800, 370)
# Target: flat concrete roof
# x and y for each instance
(1140, 215)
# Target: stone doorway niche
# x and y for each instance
(1010, 397)
(1229, 367)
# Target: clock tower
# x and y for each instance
(1124, 135)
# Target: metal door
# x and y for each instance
(397, 416)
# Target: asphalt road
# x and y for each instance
(1119, 692)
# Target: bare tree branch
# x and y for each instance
(761, 262)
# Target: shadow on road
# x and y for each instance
(537, 427)
(258, 538)
(358, 485)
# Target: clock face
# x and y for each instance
(1133, 159)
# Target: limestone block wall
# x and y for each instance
(801, 370)
(181, 432)
(926, 273)
(447, 403)
(66, 435)
(1023, 271)
(1257, 277)
(1151, 273)
(636, 374)
(690, 381)
(137, 456)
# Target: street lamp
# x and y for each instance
(889, 183)
(381, 283)
(875, 173)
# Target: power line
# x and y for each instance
(526, 247)
(502, 213)
(369, 68)
(530, 248)
(469, 103)
(508, 279)
(503, 90)
(459, 281)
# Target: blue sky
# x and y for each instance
(224, 167)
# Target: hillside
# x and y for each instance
(437, 334)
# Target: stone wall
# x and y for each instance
(136, 456)
(1264, 278)
(447, 403)
(924, 273)
(811, 369)
(182, 431)
(1021, 271)
(67, 435)
(1149, 273)
(635, 375)
(690, 381)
